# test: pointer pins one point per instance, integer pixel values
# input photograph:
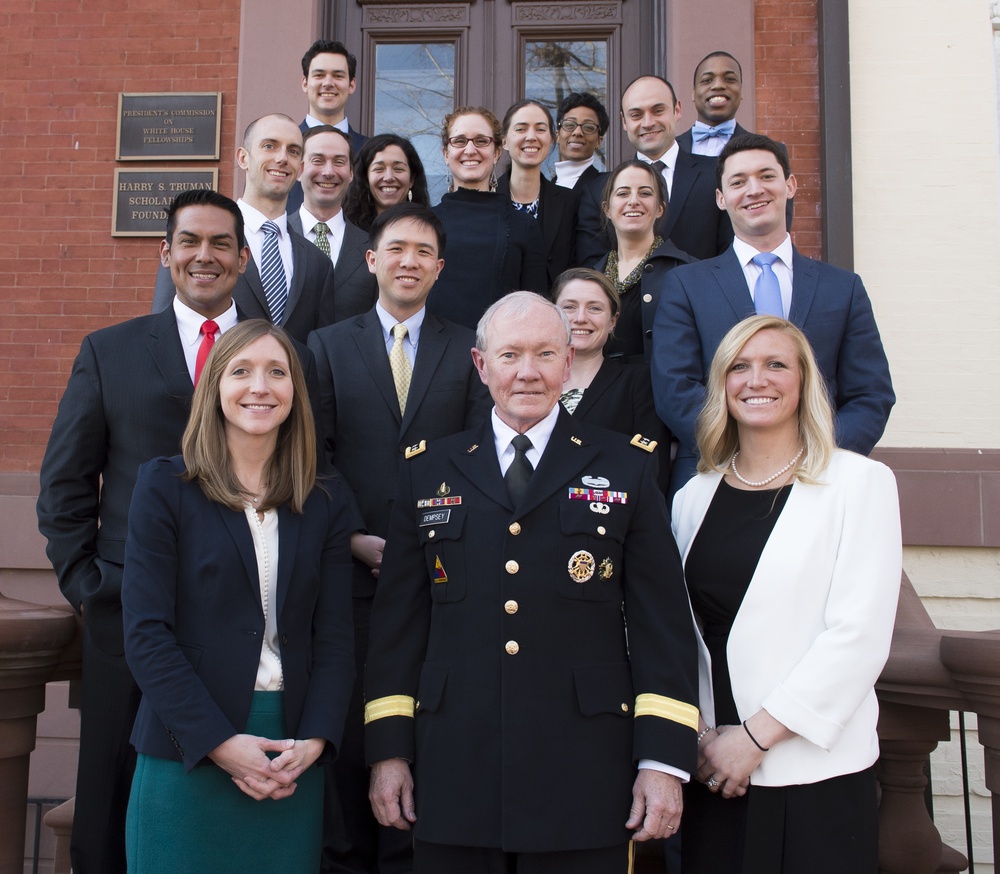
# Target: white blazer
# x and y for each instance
(814, 629)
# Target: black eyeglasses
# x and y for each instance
(568, 125)
(480, 142)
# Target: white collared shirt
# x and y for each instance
(312, 121)
(413, 325)
(569, 172)
(189, 329)
(337, 226)
(253, 219)
(538, 434)
(782, 268)
(669, 158)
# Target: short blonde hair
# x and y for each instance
(291, 471)
(718, 437)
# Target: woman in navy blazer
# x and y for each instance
(607, 391)
(236, 603)
(792, 555)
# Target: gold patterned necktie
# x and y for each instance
(322, 241)
(400, 366)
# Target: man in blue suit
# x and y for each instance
(701, 302)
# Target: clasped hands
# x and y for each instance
(244, 757)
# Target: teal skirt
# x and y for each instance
(199, 822)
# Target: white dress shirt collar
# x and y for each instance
(312, 121)
(337, 226)
(189, 329)
(413, 325)
(782, 268)
(538, 434)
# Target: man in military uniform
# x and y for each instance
(542, 739)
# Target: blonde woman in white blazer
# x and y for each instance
(793, 556)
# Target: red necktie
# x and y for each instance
(208, 330)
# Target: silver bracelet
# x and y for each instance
(702, 734)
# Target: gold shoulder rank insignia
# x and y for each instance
(643, 442)
(577, 441)
(416, 449)
(472, 448)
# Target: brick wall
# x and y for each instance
(787, 60)
(63, 274)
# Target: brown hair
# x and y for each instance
(290, 473)
(482, 111)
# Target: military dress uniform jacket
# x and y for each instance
(498, 660)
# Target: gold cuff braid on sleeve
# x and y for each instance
(649, 704)
(392, 705)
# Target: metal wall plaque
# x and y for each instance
(169, 127)
(142, 198)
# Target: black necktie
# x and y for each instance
(520, 469)
(659, 167)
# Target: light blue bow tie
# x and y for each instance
(702, 131)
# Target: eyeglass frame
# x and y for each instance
(569, 125)
(480, 142)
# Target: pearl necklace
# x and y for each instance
(771, 478)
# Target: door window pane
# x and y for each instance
(414, 90)
(555, 68)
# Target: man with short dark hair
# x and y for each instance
(581, 123)
(763, 273)
(126, 402)
(649, 113)
(329, 78)
(532, 650)
(383, 399)
(325, 176)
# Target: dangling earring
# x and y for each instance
(493, 181)
(409, 195)
(451, 183)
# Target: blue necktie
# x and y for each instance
(767, 292)
(702, 131)
(272, 273)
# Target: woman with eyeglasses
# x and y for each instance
(528, 138)
(582, 122)
(492, 248)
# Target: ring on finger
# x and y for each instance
(712, 783)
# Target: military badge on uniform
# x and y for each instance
(438, 502)
(598, 507)
(606, 569)
(581, 566)
(443, 490)
(643, 442)
(596, 482)
(439, 575)
(604, 496)
(415, 449)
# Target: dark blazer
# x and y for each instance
(312, 284)
(127, 401)
(557, 221)
(295, 196)
(701, 302)
(363, 431)
(693, 221)
(355, 288)
(663, 259)
(620, 398)
(526, 684)
(194, 622)
(685, 141)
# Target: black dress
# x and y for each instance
(829, 826)
(490, 250)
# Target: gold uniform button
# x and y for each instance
(430, 534)
(602, 530)
(647, 298)
(624, 707)
(510, 607)
(512, 647)
(514, 528)
(512, 567)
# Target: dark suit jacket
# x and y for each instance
(693, 221)
(557, 221)
(620, 398)
(685, 141)
(355, 288)
(529, 694)
(312, 284)
(701, 302)
(363, 431)
(127, 401)
(295, 196)
(661, 261)
(194, 622)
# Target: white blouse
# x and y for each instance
(265, 543)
